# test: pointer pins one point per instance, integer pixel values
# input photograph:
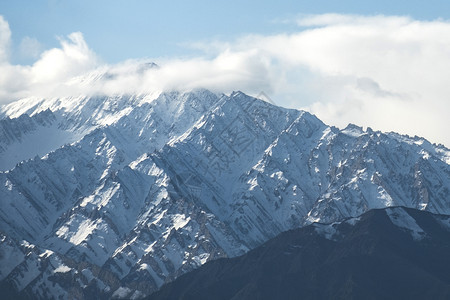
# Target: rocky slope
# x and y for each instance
(392, 253)
(141, 189)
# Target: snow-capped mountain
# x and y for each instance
(35, 126)
(132, 191)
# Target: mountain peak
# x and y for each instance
(135, 190)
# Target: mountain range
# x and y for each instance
(111, 197)
(391, 253)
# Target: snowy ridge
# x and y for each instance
(34, 127)
(400, 217)
(21, 138)
(153, 187)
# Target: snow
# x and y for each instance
(326, 230)
(137, 295)
(142, 179)
(201, 259)
(8, 185)
(402, 219)
(353, 131)
(353, 221)
(62, 269)
(27, 244)
(80, 230)
(121, 292)
(135, 163)
(46, 253)
(37, 143)
(180, 221)
(425, 154)
(384, 196)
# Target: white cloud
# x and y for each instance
(5, 36)
(48, 75)
(30, 47)
(390, 73)
(387, 72)
(59, 64)
(340, 19)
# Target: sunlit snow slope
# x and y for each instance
(114, 196)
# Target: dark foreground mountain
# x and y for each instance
(111, 197)
(394, 253)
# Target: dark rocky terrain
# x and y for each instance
(372, 257)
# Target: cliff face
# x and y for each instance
(137, 191)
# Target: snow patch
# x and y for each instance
(121, 293)
(180, 221)
(46, 253)
(8, 185)
(326, 230)
(62, 269)
(353, 221)
(400, 218)
(77, 229)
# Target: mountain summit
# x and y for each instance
(115, 196)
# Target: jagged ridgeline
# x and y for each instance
(113, 196)
(391, 253)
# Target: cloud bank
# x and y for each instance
(387, 72)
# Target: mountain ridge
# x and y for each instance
(372, 256)
(157, 187)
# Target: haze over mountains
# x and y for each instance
(129, 192)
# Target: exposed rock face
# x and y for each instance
(392, 253)
(138, 190)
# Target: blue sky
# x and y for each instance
(383, 64)
(119, 30)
